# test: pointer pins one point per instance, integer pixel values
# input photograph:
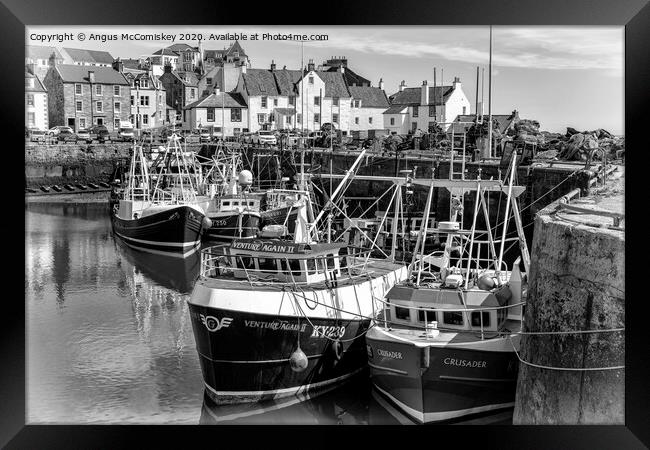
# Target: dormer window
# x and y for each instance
(311, 80)
(144, 83)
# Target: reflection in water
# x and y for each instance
(61, 267)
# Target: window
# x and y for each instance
(98, 89)
(452, 318)
(335, 101)
(464, 110)
(402, 313)
(311, 80)
(430, 316)
(116, 90)
(264, 102)
(476, 319)
(82, 122)
(144, 83)
(210, 114)
(30, 99)
(369, 119)
(31, 119)
(192, 93)
(144, 100)
(316, 118)
(235, 115)
(99, 121)
(145, 119)
(316, 101)
(116, 123)
(414, 126)
(335, 118)
(298, 118)
(357, 103)
(356, 121)
(99, 107)
(132, 100)
(392, 121)
(415, 111)
(29, 82)
(79, 106)
(292, 100)
(208, 81)
(117, 106)
(275, 102)
(261, 118)
(77, 89)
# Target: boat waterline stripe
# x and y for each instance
(388, 369)
(487, 380)
(164, 244)
(438, 416)
(163, 252)
(281, 391)
(299, 398)
(262, 361)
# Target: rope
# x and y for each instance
(570, 369)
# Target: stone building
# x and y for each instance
(217, 110)
(82, 96)
(181, 88)
(367, 107)
(148, 97)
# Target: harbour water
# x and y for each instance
(109, 340)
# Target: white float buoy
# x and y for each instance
(298, 360)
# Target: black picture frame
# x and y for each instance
(633, 14)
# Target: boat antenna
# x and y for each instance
(490, 101)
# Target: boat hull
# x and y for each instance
(175, 231)
(245, 357)
(226, 226)
(442, 383)
(279, 217)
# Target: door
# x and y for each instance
(71, 122)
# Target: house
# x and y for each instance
(181, 88)
(367, 107)
(419, 108)
(148, 97)
(38, 57)
(162, 58)
(340, 64)
(234, 55)
(36, 111)
(505, 122)
(188, 57)
(82, 96)
(217, 110)
(83, 57)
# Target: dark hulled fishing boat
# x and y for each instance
(165, 219)
(468, 364)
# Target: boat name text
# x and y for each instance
(276, 325)
(387, 354)
(328, 331)
(463, 362)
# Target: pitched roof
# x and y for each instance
(259, 82)
(351, 78)
(411, 96)
(38, 85)
(214, 100)
(72, 73)
(131, 63)
(180, 47)
(166, 52)
(371, 97)
(83, 55)
(41, 52)
(187, 77)
(396, 109)
(286, 81)
(134, 74)
(334, 84)
(235, 47)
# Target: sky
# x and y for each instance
(560, 76)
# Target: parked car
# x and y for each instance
(100, 132)
(55, 131)
(264, 137)
(84, 135)
(126, 131)
(36, 135)
(66, 135)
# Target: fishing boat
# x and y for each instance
(444, 347)
(165, 218)
(285, 316)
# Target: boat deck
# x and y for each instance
(418, 337)
(374, 269)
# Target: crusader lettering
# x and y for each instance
(213, 324)
(328, 331)
(388, 354)
(464, 362)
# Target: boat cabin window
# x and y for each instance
(431, 316)
(452, 318)
(245, 262)
(293, 266)
(226, 203)
(268, 264)
(311, 266)
(476, 319)
(402, 313)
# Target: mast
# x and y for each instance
(490, 101)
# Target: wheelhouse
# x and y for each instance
(239, 203)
